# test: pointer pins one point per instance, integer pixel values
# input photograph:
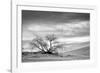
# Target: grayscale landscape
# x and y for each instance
(55, 36)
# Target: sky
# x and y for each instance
(69, 26)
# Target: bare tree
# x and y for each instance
(40, 44)
(43, 46)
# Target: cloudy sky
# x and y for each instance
(68, 26)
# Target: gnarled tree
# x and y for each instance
(40, 44)
(43, 46)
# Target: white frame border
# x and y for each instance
(16, 65)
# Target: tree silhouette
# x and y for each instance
(43, 46)
(40, 44)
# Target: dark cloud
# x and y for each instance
(63, 24)
(47, 17)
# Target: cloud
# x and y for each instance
(62, 24)
(80, 28)
(29, 17)
(74, 39)
(40, 28)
